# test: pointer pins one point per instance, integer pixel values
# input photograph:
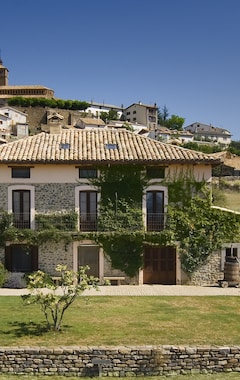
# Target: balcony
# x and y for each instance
(62, 221)
(88, 222)
(155, 222)
(68, 221)
(21, 220)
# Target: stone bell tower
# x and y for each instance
(3, 73)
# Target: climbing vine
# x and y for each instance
(200, 230)
(191, 222)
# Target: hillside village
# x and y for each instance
(80, 190)
(139, 117)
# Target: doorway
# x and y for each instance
(89, 255)
(159, 265)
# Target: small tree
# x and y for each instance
(55, 301)
(173, 122)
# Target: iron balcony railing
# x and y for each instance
(87, 222)
(155, 221)
(21, 220)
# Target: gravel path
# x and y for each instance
(147, 290)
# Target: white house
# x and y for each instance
(13, 122)
(169, 135)
(205, 132)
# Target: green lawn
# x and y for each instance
(227, 198)
(126, 321)
(232, 200)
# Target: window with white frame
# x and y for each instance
(21, 204)
(155, 201)
(86, 205)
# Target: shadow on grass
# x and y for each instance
(19, 329)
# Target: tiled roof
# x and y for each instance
(91, 121)
(97, 146)
(21, 87)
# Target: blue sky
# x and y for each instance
(184, 54)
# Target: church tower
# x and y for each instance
(3, 74)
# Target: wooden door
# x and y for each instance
(89, 255)
(159, 265)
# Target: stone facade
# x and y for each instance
(210, 272)
(55, 197)
(119, 361)
(48, 196)
(51, 254)
(37, 117)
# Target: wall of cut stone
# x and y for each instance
(210, 272)
(119, 361)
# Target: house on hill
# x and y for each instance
(230, 165)
(13, 122)
(170, 135)
(55, 183)
(141, 113)
(209, 133)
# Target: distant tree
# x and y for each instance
(162, 115)
(45, 102)
(112, 115)
(104, 116)
(234, 147)
(193, 145)
(174, 122)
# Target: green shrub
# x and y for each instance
(3, 274)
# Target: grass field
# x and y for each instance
(126, 321)
(232, 200)
(227, 198)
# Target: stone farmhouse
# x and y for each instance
(51, 175)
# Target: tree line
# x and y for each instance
(45, 102)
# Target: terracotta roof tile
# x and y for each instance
(91, 146)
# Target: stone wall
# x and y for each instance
(119, 361)
(37, 117)
(209, 273)
(51, 254)
(54, 197)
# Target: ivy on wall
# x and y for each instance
(191, 223)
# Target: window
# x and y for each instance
(65, 146)
(88, 210)
(232, 252)
(21, 258)
(21, 172)
(21, 208)
(229, 252)
(111, 146)
(155, 210)
(156, 172)
(87, 172)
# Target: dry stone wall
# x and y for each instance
(119, 361)
(210, 272)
